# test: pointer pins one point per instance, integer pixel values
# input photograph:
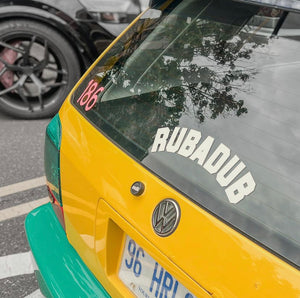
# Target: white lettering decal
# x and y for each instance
(217, 159)
(202, 151)
(175, 140)
(185, 144)
(241, 188)
(189, 144)
(160, 141)
(224, 178)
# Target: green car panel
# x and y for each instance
(61, 273)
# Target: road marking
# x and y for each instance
(35, 294)
(21, 209)
(17, 264)
(22, 186)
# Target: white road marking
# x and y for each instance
(22, 186)
(21, 209)
(22, 263)
(17, 264)
(35, 294)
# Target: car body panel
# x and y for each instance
(206, 255)
(124, 6)
(96, 178)
(227, 264)
(63, 270)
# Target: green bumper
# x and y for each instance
(61, 272)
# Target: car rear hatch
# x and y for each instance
(186, 106)
(101, 214)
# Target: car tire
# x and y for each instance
(38, 68)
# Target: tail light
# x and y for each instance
(52, 166)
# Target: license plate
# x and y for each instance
(145, 277)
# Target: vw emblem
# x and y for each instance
(165, 217)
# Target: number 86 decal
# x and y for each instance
(89, 96)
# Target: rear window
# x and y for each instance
(205, 94)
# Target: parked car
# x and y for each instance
(45, 46)
(173, 166)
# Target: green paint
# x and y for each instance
(53, 131)
(62, 273)
(52, 155)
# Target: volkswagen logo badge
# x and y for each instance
(165, 217)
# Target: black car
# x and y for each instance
(46, 45)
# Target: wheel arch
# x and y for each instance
(63, 24)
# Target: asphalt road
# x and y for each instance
(21, 160)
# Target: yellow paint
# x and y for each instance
(96, 180)
(204, 254)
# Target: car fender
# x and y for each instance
(65, 22)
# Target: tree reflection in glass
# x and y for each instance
(190, 63)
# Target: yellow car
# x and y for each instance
(173, 167)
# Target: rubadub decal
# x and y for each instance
(187, 144)
(89, 96)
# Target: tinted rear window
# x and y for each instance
(206, 97)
